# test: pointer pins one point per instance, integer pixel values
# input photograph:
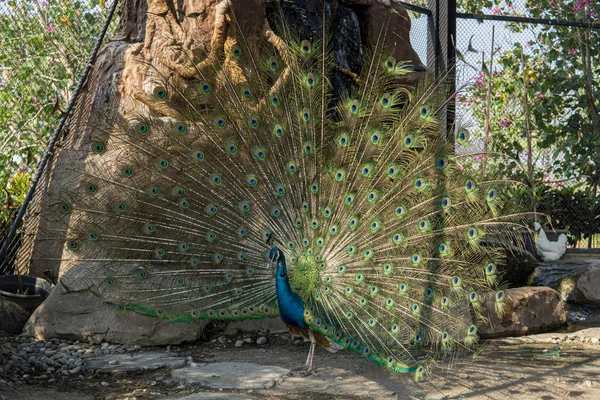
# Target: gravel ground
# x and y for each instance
(548, 366)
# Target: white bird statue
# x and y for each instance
(549, 250)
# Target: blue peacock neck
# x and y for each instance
(291, 306)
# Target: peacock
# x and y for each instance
(242, 186)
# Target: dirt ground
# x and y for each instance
(503, 370)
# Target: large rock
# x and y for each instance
(588, 286)
(12, 316)
(528, 310)
(80, 315)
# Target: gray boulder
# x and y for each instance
(12, 316)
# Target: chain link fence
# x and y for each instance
(528, 74)
(44, 47)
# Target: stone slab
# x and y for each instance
(232, 375)
(215, 396)
(129, 363)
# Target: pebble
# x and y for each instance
(25, 359)
(299, 342)
(595, 340)
(239, 343)
(105, 384)
(261, 340)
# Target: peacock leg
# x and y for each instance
(311, 354)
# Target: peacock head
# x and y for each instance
(275, 254)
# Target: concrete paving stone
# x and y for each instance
(232, 375)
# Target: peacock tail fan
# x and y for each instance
(381, 220)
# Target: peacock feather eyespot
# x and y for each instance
(211, 237)
(259, 153)
(198, 155)
(388, 268)
(64, 207)
(474, 297)
(470, 185)
(154, 191)
(195, 314)
(110, 281)
(409, 141)
(183, 247)
(236, 51)
(314, 188)
(419, 373)
(352, 249)
(389, 303)
(492, 195)
(416, 259)
(376, 137)
(160, 312)
(392, 170)
(353, 107)
(244, 206)
(445, 302)
(73, 245)
(491, 269)
(445, 337)
(446, 203)
(121, 206)
(472, 330)
(253, 121)
(314, 223)
(242, 232)
(416, 309)
(349, 314)
(305, 242)
(142, 128)
(444, 249)
(211, 209)
(121, 307)
(159, 253)
(217, 258)
(375, 225)
(278, 131)
(367, 170)
(390, 64)
(194, 262)
(500, 296)
(179, 128)
(428, 293)
(353, 222)
(279, 190)
(442, 163)
(298, 223)
(310, 80)
(386, 100)
(349, 199)
(275, 212)
(149, 228)
(215, 180)
(340, 175)
(231, 148)
(473, 233)
(401, 211)
(204, 87)
(98, 147)
(360, 278)
(403, 288)
(424, 225)
(93, 236)
(305, 207)
(160, 92)
(273, 63)
(305, 47)
(327, 211)
(425, 111)
(372, 322)
(245, 92)
(420, 183)
(456, 282)
(398, 238)
(343, 139)
(463, 136)
(180, 281)
(220, 122)
(308, 147)
(320, 242)
(162, 163)
(292, 167)
(374, 290)
(291, 245)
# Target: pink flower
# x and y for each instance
(496, 11)
(50, 27)
(458, 96)
(572, 52)
(44, 3)
(77, 12)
